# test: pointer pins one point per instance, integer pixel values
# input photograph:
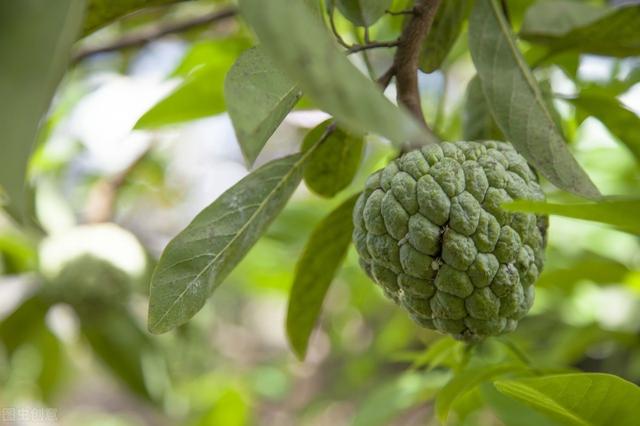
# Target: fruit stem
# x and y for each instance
(407, 56)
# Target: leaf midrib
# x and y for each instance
(521, 64)
(261, 206)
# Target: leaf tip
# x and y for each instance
(156, 323)
(298, 346)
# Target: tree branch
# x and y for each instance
(385, 79)
(141, 38)
(408, 55)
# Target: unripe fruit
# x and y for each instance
(430, 230)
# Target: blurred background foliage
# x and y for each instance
(116, 177)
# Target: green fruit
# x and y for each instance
(430, 230)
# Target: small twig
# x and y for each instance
(373, 45)
(334, 30)
(365, 53)
(141, 38)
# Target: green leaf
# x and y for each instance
(308, 54)
(211, 52)
(477, 122)
(319, 262)
(612, 88)
(511, 411)
(258, 98)
(446, 28)
(465, 381)
(569, 25)
(578, 399)
(35, 40)
(619, 212)
(199, 95)
(559, 17)
(198, 259)
(363, 13)
(516, 102)
(623, 123)
(335, 162)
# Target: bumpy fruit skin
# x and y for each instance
(430, 231)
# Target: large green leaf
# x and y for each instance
(446, 28)
(35, 39)
(200, 95)
(621, 121)
(570, 25)
(517, 103)
(363, 13)
(198, 259)
(315, 269)
(579, 399)
(298, 42)
(477, 122)
(619, 212)
(258, 98)
(335, 162)
(466, 380)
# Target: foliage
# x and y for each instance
(84, 302)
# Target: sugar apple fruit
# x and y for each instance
(430, 231)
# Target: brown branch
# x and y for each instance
(408, 55)
(385, 79)
(141, 38)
